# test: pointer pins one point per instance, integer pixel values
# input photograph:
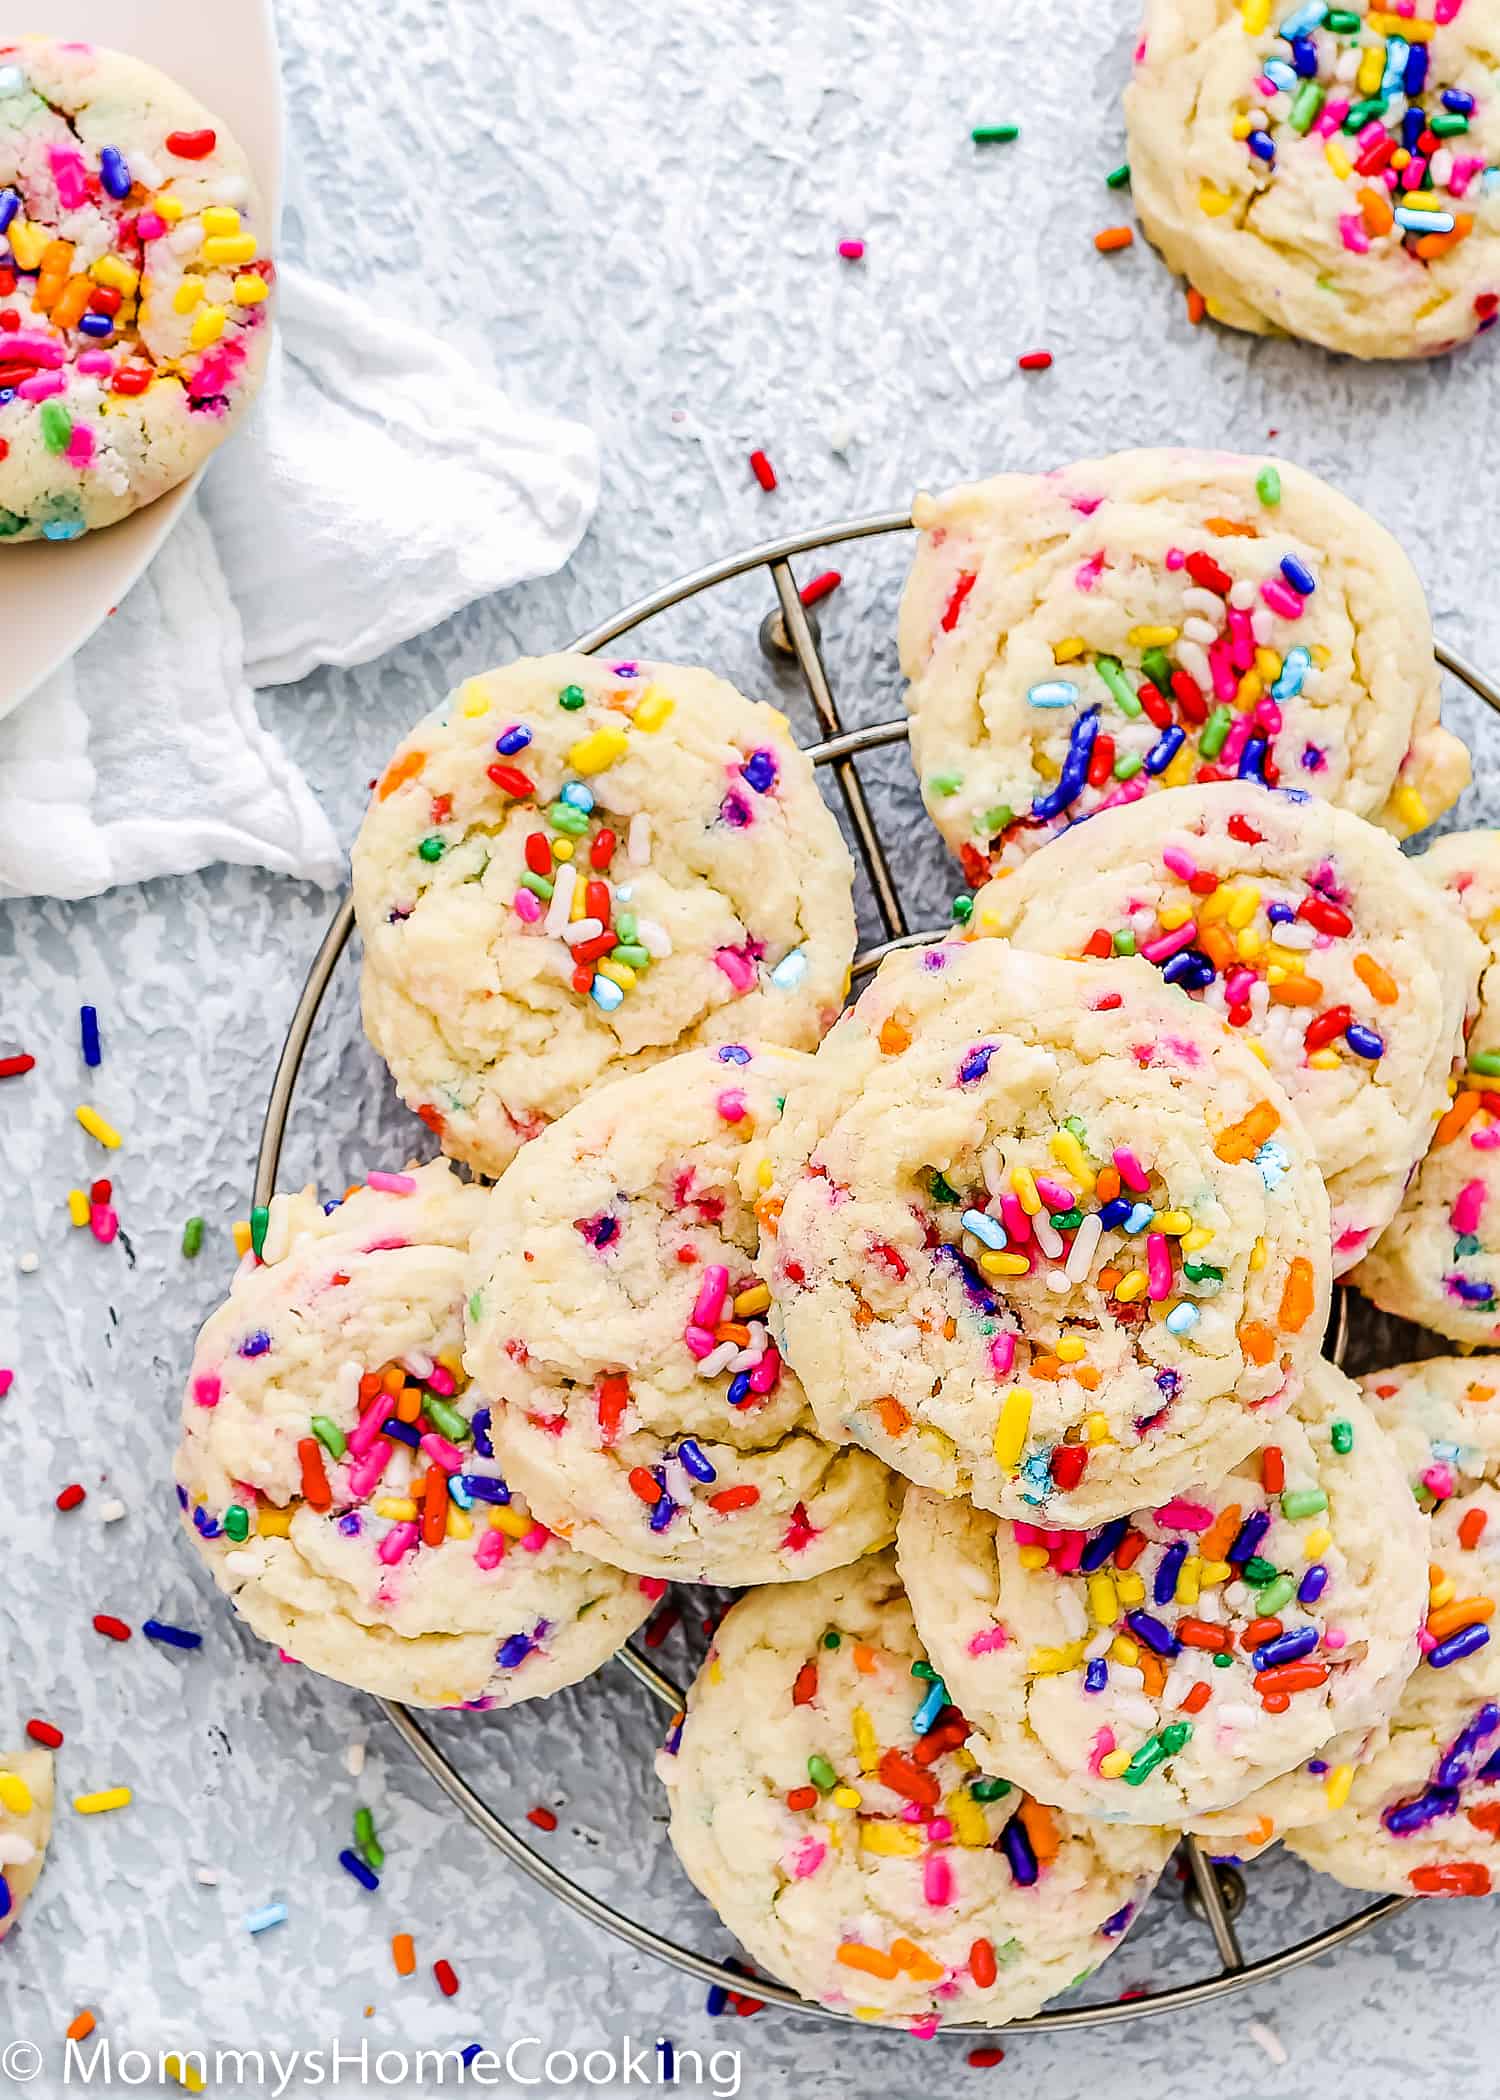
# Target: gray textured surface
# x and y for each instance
(634, 222)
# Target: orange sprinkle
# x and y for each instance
(408, 1404)
(1107, 1182)
(1296, 991)
(1196, 1700)
(916, 1961)
(1375, 209)
(1036, 1821)
(767, 1211)
(1217, 946)
(1380, 984)
(1230, 529)
(1452, 1618)
(1464, 1107)
(865, 1659)
(1219, 1536)
(1431, 245)
(404, 1953)
(893, 1037)
(1471, 1530)
(393, 1378)
(1257, 1341)
(733, 1331)
(868, 1959)
(950, 1328)
(864, 1313)
(1109, 1276)
(1114, 238)
(81, 2026)
(1046, 1367)
(1152, 1669)
(1297, 1298)
(1262, 1831)
(398, 772)
(894, 1419)
(1245, 1138)
(1087, 1377)
(1197, 305)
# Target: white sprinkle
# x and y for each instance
(15, 1848)
(1070, 1609)
(111, 1512)
(1100, 1645)
(1346, 65)
(354, 1758)
(209, 1876)
(1242, 595)
(582, 930)
(562, 899)
(654, 937)
(1237, 1717)
(1440, 169)
(231, 189)
(905, 1336)
(1207, 604)
(840, 436)
(1268, 2039)
(989, 1167)
(717, 1360)
(186, 238)
(241, 1564)
(1263, 626)
(638, 839)
(420, 1365)
(1057, 1281)
(1196, 630)
(1085, 1244)
(1209, 1609)
(1192, 660)
(1048, 1238)
(30, 1262)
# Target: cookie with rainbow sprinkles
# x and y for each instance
(1421, 1814)
(572, 869)
(1163, 1666)
(336, 1472)
(1438, 1262)
(1326, 172)
(1044, 1233)
(1301, 927)
(135, 287)
(825, 1802)
(618, 1327)
(1075, 641)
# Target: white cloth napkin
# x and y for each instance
(383, 484)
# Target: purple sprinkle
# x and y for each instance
(1472, 1293)
(513, 1652)
(1016, 1846)
(515, 739)
(1313, 759)
(255, 1344)
(1408, 1816)
(1115, 1925)
(976, 1064)
(350, 1525)
(934, 959)
(759, 770)
(1313, 1584)
(734, 810)
(1454, 1768)
(1467, 1641)
(1247, 1539)
(1159, 1638)
(1285, 1648)
(734, 1054)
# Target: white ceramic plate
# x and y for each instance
(53, 594)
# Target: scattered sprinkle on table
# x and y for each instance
(96, 1127)
(100, 1804)
(170, 1636)
(542, 1817)
(762, 469)
(80, 2027)
(209, 1877)
(852, 251)
(983, 2059)
(192, 1238)
(13, 1067)
(115, 1629)
(7, 1380)
(1119, 178)
(70, 1496)
(447, 1982)
(815, 592)
(30, 1262)
(371, 1849)
(43, 1732)
(995, 134)
(88, 1032)
(352, 1864)
(111, 1512)
(1035, 361)
(1114, 238)
(269, 1914)
(404, 1953)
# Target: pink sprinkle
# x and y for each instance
(1066, 1557)
(910, 1812)
(1130, 1170)
(1373, 130)
(1178, 863)
(1085, 577)
(42, 386)
(94, 362)
(1235, 742)
(150, 225)
(1158, 1266)
(104, 1223)
(1352, 233)
(700, 1342)
(939, 1830)
(709, 1302)
(534, 1540)
(385, 1246)
(1487, 1139)
(1238, 987)
(394, 1184)
(1265, 86)
(1053, 1194)
(366, 1472)
(367, 1428)
(1030, 1534)
(1426, 1641)
(1446, 10)
(68, 174)
(736, 968)
(807, 1858)
(1184, 1516)
(442, 1382)
(442, 1453)
(1167, 944)
(34, 350)
(1176, 559)
(765, 1374)
(1282, 599)
(986, 1643)
(1104, 1742)
(1468, 1207)
(1352, 1236)
(1241, 639)
(732, 1105)
(7, 1380)
(1334, 113)
(491, 1548)
(1221, 664)
(852, 251)
(1414, 174)
(526, 907)
(207, 1390)
(1003, 1353)
(1439, 1481)
(1464, 171)
(1335, 1638)
(923, 2029)
(1017, 1224)
(401, 1538)
(1127, 791)
(937, 1881)
(1268, 718)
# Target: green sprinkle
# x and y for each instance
(822, 1774)
(995, 134)
(1303, 1502)
(1308, 101)
(445, 1418)
(944, 783)
(1274, 1595)
(1127, 765)
(57, 426)
(476, 1304)
(1448, 125)
(1202, 1272)
(1343, 21)
(633, 957)
(1113, 675)
(1123, 942)
(1078, 1128)
(365, 1838)
(943, 1190)
(1268, 487)
(1258, 1571)
(1153, 1752)
(329, 1435)
(999, 818)
(538, 885)
(1067, 1220)
(1119, 178)
(1157, 666)
(1341, 1436)
(1215, 730)
(989, 1789)
(925, 1671)
(260, 1218)
(192, 1237)
(1223, 1662)
(832, 1639)
(1362, 113)
(1176, 1736)
(237, 1523)
(431, 849)
(1486, 1063)
(572, 697)
(962, 909)
(625, 925)
(562, 816)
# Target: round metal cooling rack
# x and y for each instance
(1214, 1893)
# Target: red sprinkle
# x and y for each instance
(1245, 832)
(1321, 1032)
(131, 379)
(316, 1492)
(645, 1485)
(614, 1398)
(191, 145)
(762, 469)
(71, 1496)
(1035, 361)
(1272, 1470)
(662, 1625)
(986, 2059)
(542, 1817)
(44, 1732)
(447, 1982)
(982, 1965)
(511, 781)
(602, 852)
(101, 1191)
(1472, 1528)
(805, 1685)
(13, 1067)
(114, 1629)
(728, 1500)
(538, 853)
(1068, 1462)
(1206, 572)
(1456, 1877)
(955, 604)
(820, 587)
(852, 251)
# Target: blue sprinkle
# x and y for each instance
(1364, 1042)
(733, 1054)
(113, 172)
(1298, 575)
(577, 796)
(10, 204)
(5, 1897)
(739, 1389)
(1102, 1544)
(270, 1913)
(350, 1526)
(693, 1460)
(1115, 1212)
(88, 1029)
(759, 771)
(1472, 1293)
(1286, 1648)
(790, 971)
(255, 1344)
(64, 529)
(1415, 77)
(1263, 146)
(1116, 1922)
(404, 1432)
(1189, 969)
(1280, 74)
(208, 1527)
(513, 1652)
(1016, 1846)
(1274, 1164)
(336, 1204)
(170, 1636)
(1165, 749)
(985, 1228)
(1247, 1539)
(716, 2001)
(1304, 20)
(1459, 100)
(1467, 1641)
(1054, 692)
(1280, 914)
(1140, 1217)
(97, 325)
(467, 2055)
(1096, 1676)
(668, 2057)
(1036, 1473)
(1305, 57)
(1423, 221)
(479, 1487)
(1182, 1319)
(514, 740)
(663, 1513)
(1168, 1568)
(1253, 759)
(1295, 666)
(925, 1715)
(353, 1864)
(606, 994)
(1413, 124)
(1159, 1638)
(458, 1493)
(976, 1064)
(1313, 1584)
(480, 1427)
(1075, 769)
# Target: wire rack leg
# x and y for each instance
(1206, 1882)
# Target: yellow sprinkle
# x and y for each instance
(1258, 1049)
(241, 1231)
(1011, 1428)
(1411, 811)
(1189, 1580)
(170, 208)
(764, 1174)
(1338, 160)
(1336, 1786)
(1068, 1153)
(1180, 771)
(1175, 1223)
(1397, 25)
(220, 218)
(1371, 69)
(652, 710)
(187, 295)
(891, 1840)
(1033, 1558)
(1096, 1429)
(1131, 1588)
(110, 270)
(399, 1508)
(1213, 201)
(1024, 1184)
(15, 1794)
(1248, 691)
(1124, 1651)
(1069, 1350)
(250, 290)
(187, 2075)
(562, 849)
(1153, 637)
(273, 1523)
(1174, 915)
(1052, 1662)
(1198, 1237)
(1217, 905)
(970, 1826)
(1268, 664)
(716, 1676)
(1316, 1542)
(866, 1742)
(1255, 14)
(1249, 944)
(28, 243)
(473, 700)
(1130, 1287)
(96, 1127)
(229, 251)
(749, 1303)
(78, 1206)
(598, 751)
(207, 328)
(1325, 1060)
(1258, 1254)
(513, 1522)
(1103, 1602)
(847, 1796)
(1282, 963)
(1242, 905)
(1213, 1572)
(99, 1804)
(1115, 1763)
(1439, 1593)
(617, 973)
(1067, 652)
(1005, 1264)
(1241, 128)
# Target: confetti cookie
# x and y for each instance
(1159, 619)
(619, 1327)
(1439, 1262)
(1050, 1236)
(1160, 1667)
(337, 1478)
(1327, 172)
(1422, 1814)
(25, 1826)
(572, 869)
(135, 296)
(1295, 922)
(824, 1803)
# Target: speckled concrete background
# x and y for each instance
(633, 218)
